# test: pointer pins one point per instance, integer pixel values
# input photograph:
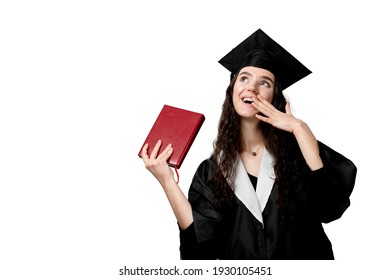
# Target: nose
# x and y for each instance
(252, 88)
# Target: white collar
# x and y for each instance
(255, 201)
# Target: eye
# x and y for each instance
(264, 84)
(244, 79)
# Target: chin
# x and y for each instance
(249, 117)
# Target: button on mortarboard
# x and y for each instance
(261, 51)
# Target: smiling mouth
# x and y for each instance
(247, 100)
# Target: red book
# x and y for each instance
(174, 126)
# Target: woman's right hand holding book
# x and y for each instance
(157, 163)
(158, 166)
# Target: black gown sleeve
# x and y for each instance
(326, 191)
(199, 240)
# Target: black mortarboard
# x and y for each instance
(261, 51)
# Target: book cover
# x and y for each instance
(174, 126)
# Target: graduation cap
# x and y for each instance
(261, 51)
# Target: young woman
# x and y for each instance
(269, 184)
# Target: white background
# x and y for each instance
(82, 82)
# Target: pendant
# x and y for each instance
(254, 154)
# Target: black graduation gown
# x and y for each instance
(236, 234)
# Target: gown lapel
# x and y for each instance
(255, 201)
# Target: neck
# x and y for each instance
(251, 136)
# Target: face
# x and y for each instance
(252, 81)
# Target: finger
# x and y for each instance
(144, 152)
(256, 103)
(263, 118)
(265, 107)
(168, 153)
(262, 107)
(156, 148)
(163, 153)
(265, 102)
(288, 108)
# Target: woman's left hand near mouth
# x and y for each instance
(284, 121)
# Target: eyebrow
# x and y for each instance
(250, 74)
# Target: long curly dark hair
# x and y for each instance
(282, 145)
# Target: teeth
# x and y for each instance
(248, 100)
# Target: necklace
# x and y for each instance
(253, 153)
